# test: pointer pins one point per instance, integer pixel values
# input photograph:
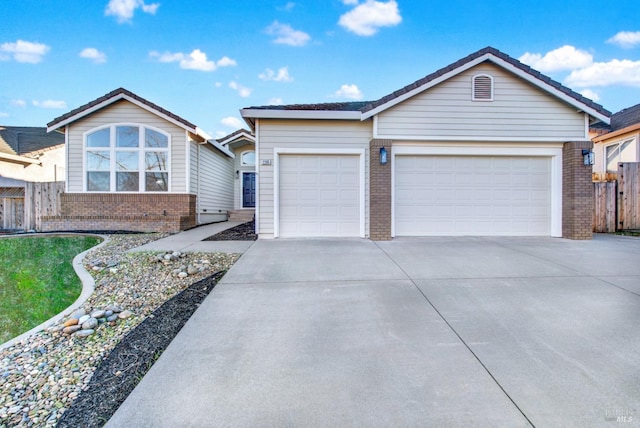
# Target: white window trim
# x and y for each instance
(112, 151)
(473, 87)
(633, 140)
(555, 153)
(277, 151)
(242, 162)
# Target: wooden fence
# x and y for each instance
(25, 212)
(617, 203)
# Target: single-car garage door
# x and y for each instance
(472, 195)
(319, 195)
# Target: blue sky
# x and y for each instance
(205, 60)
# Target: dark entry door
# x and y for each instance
(248, 189)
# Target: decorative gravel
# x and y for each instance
(242, 232)
(42, 376)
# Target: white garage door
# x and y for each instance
(472, 195)
(319, 195)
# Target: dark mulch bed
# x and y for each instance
(242, 232)
(133, 356)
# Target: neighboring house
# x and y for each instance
(30, 154)
(484, 146)
(617, 142)
(132, 165)
(242, 144)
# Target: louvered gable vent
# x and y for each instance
(482, 88)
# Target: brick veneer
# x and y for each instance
(131, 212)
(379, 192)
(577, 192)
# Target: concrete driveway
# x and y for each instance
(412, 332)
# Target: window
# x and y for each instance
(127, 158)
(248, 158)
(482, 87)
(619, 152)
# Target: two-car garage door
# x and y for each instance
(472, 195)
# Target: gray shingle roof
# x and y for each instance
(25, 140)
(115, 93)
(365, 106)
(625, 117)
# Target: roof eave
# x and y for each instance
(19, 159)
(619, 132)
(502, 63)
(221, 148)
(122, 96)
(299, 114)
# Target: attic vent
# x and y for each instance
(482, 88)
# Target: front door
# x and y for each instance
(248, 189)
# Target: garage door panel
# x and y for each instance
(472, 195)
(319, 195)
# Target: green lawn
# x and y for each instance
(37, 280)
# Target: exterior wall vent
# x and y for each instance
(482, 87)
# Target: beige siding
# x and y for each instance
(211, 180)
(126, 112)
(519, 111)
(305, 134)
(599, 150)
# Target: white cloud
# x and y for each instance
(52, 104)
(590, 94)
(564, 58)
(281, 76)
(218, 84)
(349, 91)
(276, 101)
(232, 122)
(18, 103)
(196, 60)
(286, 35)
(350, 2)
(244, 92)
(626, 39)
(367, 18)
(289, 6)
(225, 61)
(23, 51)
(4, 114)
(615, 72)
(123, 10)
(94, 55)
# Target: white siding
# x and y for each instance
(519, 111)
(125, 112)
(212, 182)
(304, 134)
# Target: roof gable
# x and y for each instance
(500, 59)
(115, 96)
(365, 110)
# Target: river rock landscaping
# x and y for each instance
(42, 376)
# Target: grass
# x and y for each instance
(37, 279)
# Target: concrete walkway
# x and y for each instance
(192, 240)
(413, 332)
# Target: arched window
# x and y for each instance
(126, 158)
(248, 158)
(482, 87)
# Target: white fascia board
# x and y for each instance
(504, 64)
(119, 97)
(477, 139)
(229, 140)
(223, 149)
(301, 114)
(550, 89)
(19, 159)
(424, 87)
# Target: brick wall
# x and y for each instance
(380, 192)
(577, 192)
(131, 212)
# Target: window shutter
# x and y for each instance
(483, 88)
